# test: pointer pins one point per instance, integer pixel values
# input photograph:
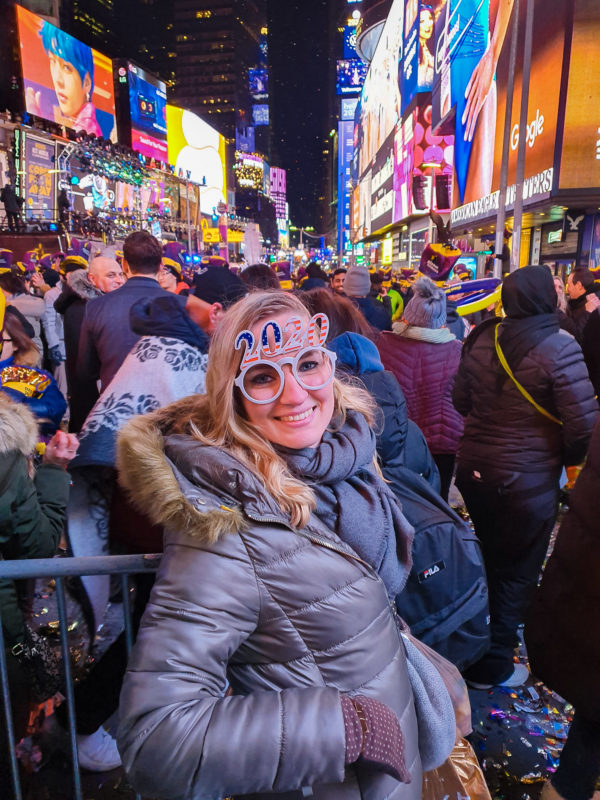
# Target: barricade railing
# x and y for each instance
(59, 569)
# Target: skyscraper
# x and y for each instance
(217, 42)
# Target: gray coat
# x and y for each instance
(289, 618)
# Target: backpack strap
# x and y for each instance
(521, 388)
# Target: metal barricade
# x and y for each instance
(59, 569)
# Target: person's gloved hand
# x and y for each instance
(55, 356)
(374, 736)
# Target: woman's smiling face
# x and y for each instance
(299, 417)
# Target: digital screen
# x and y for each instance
(65, 81)
(258, 80)
(469, 99)
(380, 103)
(351, 74)
(580, 166)
(350, 42)
(260, 115)
(348, 108)
(148, 111)
(195, 147)
(40, 173)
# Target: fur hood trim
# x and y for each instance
(158, 490)
(18, 427)
(80, 283)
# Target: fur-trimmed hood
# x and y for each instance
(183, 485)
(80, 283)
(18, 427)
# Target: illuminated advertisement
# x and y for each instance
(380, 102)
(350, 42)
(65, 81)
(39, 179)
(258, 80)
(345, 150)
(260, 115)
(433, 165)
(404, 158)
(146, 111)
(188, 196)
(197, 152)
(470, 82)
(382, 185)
(278, 191)
(351, 74)
(348, 107)
(580, 167)
(249, 169)
(417, 54)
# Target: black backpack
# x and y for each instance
(445, 600)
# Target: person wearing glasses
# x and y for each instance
(268, 660)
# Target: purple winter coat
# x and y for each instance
(425, 371)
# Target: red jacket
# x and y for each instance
(425, 371)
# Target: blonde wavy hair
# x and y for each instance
(217, 418)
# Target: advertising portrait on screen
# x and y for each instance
(65, 81)
(148, 112)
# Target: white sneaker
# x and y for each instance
(98, 751)
(519, 676)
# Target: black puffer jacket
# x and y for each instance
(504, 429)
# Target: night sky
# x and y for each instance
(299, 100)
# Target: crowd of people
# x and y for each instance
(285, 451)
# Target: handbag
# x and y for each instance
(461, 776)
(436, 718)
(41, 664)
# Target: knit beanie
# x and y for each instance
(427, 308)
(358, 282)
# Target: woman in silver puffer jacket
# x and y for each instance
(255, 483)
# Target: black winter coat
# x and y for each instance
(502, 428)
(590, 344)
(561, 630)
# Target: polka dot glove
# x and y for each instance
(374, 736)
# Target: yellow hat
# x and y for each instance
(174, 266)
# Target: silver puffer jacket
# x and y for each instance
(290, 618)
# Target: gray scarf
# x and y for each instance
(353, 501)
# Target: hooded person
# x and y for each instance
(424, 355)
(529, 408)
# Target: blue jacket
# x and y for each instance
(374, 312)
(399, 440)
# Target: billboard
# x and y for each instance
(345, 151)
(258, 80)
(348, 107)
(65, 81)
(351, 74)
(278, 191)
(146, 111)
(350, 42)
(417, 54)
(469, 98)
(580, 167)
(39, 181)
(260, 115)
(195, 147)
(379, 110)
